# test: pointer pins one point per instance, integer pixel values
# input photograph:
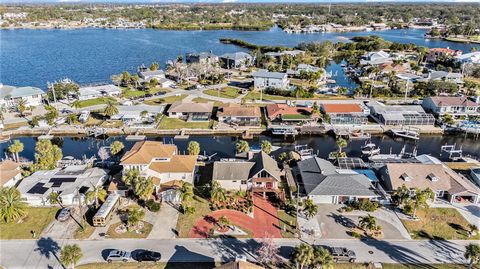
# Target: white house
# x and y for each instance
(149, 75)
(236, 60)
(92, 92)
(137, 114)
(472, 57)
(446, 76)
(263, 79)
(71, 183)
(376, 58)
(11, 95)
(456, 106)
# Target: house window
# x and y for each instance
(243, 182)
(432, 177)
(234, 181)
(405, 177)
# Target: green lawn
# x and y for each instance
(129, 92)
(129, 234)
(186, 222)
(205, 100)
(166, 100)
(173, 123)
(160, 265)
(288, 224)
(227, 92)
(13, 126)
(96, 101)
(400, 266)
(37, 219)
(439, 223)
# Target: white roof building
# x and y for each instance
(11, 95)
(92, 92)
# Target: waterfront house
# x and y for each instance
(387, 68)
(472, 57)
(457, 106)
(446, 76)
(443, 181)
(237, 115)
(138, 114)
(346, 113)
(163, 163)
(146, 76)
(70, 182)
(263, 79)
(261, 174)
(236, 60)
(376, 58)
(292, 53)
(288, 113)
(201, 58)
(324, 184)
(190, 111)
(165, 82)
(11, 95)
(10, 173)
(93, 92)
(301, 68)
(435, 53)
(400, 114)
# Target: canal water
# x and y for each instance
(33, 57)
(224, 146)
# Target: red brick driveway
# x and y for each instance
(265, 222)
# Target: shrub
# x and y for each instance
(365, 205)
(152, 206)
(355, 234)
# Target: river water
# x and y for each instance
(224, 146)
(33, 57)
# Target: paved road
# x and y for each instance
(42, 253)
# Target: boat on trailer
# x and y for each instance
(370, 149)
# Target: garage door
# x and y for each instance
(322, 199)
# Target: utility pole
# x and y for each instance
(406, 91)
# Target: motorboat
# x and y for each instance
(370, 149)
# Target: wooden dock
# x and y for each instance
(408, 132)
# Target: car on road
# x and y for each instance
(144, 255)
(342, 254)
(64, 214)
(148, 95)
(159, 93)
(118, 255)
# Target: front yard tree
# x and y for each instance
(71, 255)
(217, 193)
(72, 119)
(111, 109)
(126, 77)
(302, 255)
(401, 195)
(144, 188)
(193, 148)
(15, 148)
(310, 209)
(54, 198)
(266, 146)
(11, 205)
(47, 155)
(130, 177)
(368, 223)
(116, 147)
(267, 253)
(154, 66)
(51, 115)
(341, 143)
(21, 106)
(134, 217)
(322, 258)
(472, 254)
(242, 146)
(95, 195)
(448, 119)
(420, 198)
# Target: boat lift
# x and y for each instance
(408, 132)
(454, 154)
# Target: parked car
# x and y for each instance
(64, 214)
(160, 93)
(342, 254)
(148, 95)
(147, 256)
(118, 255)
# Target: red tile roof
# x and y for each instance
(342, 108)
(275, 110)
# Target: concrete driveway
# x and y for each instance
(63, 230)
(164, 222)
(336, 225)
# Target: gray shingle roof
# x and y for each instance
(320, 177)
(264, 162)
(266, 74)
(231, 170)
(7, 91)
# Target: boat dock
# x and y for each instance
(454, 154)
(408, 132)
(181, 136)
(136, 137)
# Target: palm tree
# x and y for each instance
(187, 192)
(266, 146)
(420, 198)
(11, 205)
(71, 118)
(22, 106)
(401, 195)
(130, 177)
(76, 104)
(217, 193)
(51, 115)
(303, 255)
(193, 148)
(322, 258)
(71, 255)
(143, 114)
(135, 79)
(116, 147)
(15, 148)
(134, 217)
(341, 143)
(242, 146)
(144, 188)
(472, 254)
(96, 194)
(368, 223)
(310, 209)
(55, 198)
(110, 109)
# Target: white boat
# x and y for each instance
(283, 130)
(370, 149)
